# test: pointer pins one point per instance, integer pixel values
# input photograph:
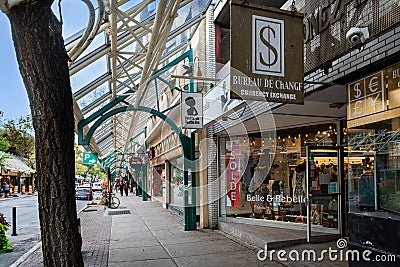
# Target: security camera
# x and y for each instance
(356, 35)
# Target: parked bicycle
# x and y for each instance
(110, 200)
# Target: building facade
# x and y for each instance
(327, 167)
(338, 149)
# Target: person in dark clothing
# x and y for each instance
(6, 189)
(121, 188)
(126, 187)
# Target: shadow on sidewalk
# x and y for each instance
(96, 232)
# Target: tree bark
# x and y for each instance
(43, 65)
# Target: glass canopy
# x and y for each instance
(115, 46)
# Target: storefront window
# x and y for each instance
(265, 178)
(176, 184)
(158, 182)
(373, 169)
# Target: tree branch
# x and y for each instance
(6, 5)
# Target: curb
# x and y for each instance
(18, 196)
(33, 249)
(26, 255)
(82, 209)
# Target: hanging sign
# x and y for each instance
(89, 158)
(135, 162)
(191, 110)
(233, 174)
(366, 96)
(267, 50)
(367, 100)
(217, 101)
(393, 74)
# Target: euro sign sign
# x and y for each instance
(267, 46)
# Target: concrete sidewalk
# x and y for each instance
(152, 236)
(95, 231)
(144, 234)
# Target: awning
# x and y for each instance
(15, 163)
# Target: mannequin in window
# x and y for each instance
(299, 180)
(299, 185)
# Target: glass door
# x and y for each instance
(324, 172)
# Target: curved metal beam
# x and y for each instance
(85, 141)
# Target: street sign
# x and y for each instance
(192, 110)
(135, 162)
(267, 54)
(89, 158)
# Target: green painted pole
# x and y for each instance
(194, 184)
(144, 182)
(189, 209)
(137, 181)
(109, 186)
(144, 174)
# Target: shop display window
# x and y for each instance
(176, 184)
(265, 178)
(373, 171)
(157, 182)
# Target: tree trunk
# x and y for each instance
(43, 65)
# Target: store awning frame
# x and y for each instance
(15, 164)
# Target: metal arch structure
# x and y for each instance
(120, 105)
(118, 156)
(130, 39)
(112, 61)
(188, 153)
(118, 152)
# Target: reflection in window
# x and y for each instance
(373, 172)
(176, 183)
(93, 96)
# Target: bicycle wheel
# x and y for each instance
(114, 202)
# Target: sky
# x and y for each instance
(14, 99)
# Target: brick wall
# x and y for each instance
(212, 172)
(374, 55)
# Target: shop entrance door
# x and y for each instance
(324, 183)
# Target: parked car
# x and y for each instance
(84, 192)
(97, 186)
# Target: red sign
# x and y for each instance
(135, 162)
(233, 175)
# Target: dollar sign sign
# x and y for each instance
(358, 90)
(270, 47)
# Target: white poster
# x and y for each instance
(192, 110)
(217, 101)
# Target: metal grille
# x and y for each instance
(374, 141)
(118, 212)
(327, 22)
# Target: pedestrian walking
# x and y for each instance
(126, 187)
(6, 189)
(115, 186)
(121, 188)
